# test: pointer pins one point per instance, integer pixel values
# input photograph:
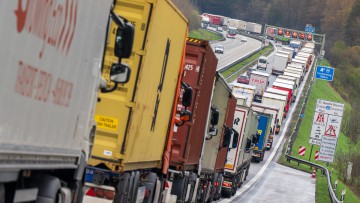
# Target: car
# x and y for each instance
(219, 49)
(219, 29)
(243, 39)
(243, 79)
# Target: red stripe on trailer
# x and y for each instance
(316, 155)
(302, 150)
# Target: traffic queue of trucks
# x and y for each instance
(165, 128)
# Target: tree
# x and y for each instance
(353, 26)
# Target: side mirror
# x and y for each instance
(255, 138)
(120, 73)
(187, 95)
(213, 131)
(124, 40)
(214, 116)
(248, 145)
(235, 138)
(226, 137)
(185, 116)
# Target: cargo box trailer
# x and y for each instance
(279, 64)
(285, 87)
(135, 122)
(279, 101)
(289, 49)
(262, 136)
(282, 93)
(288, 82)
(239, 156)
(275, 126)
(287, 53)
(49, 84)
(260, 80)
(248, 91)
(217, 142)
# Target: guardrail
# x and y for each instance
(292, 138)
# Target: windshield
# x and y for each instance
(220, 46)
(262, 61)
(232, 31)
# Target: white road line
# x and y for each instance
(263, 168)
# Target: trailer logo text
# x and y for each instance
(53, 23)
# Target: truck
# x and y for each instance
(50, 83)
(288, 101)
(214, 19)
(263, 131)
(247, 91)
(279, 64)
(289, 49)
(239, 157)
(298, 67)
(308, 50)
(295, 79)
(277, 100)
(253, 28)
(260, 80)
(289, 82)
(189, 138)
(285, 87)
(306, 55)
(305, 59)
(271, 33)
(302, 63)
(238, 24)
(262, 63)
(294, 75)
(231, 32)
(133, 138)
(295, 44)
(205, 21)
(275, 126)
(217, 143)
(287, 53)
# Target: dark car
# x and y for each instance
(243, 79)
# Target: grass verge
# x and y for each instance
(320, 90)
(242, 64)
(204, 34)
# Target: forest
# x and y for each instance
(338, 19)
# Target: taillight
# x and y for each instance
(216, 184)
(101, 193)
(167, 185)
(147, 193)
(205, 186)
(227, 184)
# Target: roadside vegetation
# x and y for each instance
(204, 34)
(346, 151)
(243, 65)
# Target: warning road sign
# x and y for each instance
(330, 131)
(326, 121)
(320, 118)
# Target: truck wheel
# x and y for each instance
(122, 188)
(192, 182)
(226, 193)
(262, 156)
(2, 193)
(135, 184)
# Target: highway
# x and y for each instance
(235, 49)
(268, 180)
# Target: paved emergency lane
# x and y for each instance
(270, 181)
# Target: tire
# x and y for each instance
(226, 193)
(2, 193)
(262, 157)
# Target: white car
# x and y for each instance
(219, 49)
(243, 39)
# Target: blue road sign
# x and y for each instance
(324, 73)
(310, 29)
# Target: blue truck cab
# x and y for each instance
(261, 137)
